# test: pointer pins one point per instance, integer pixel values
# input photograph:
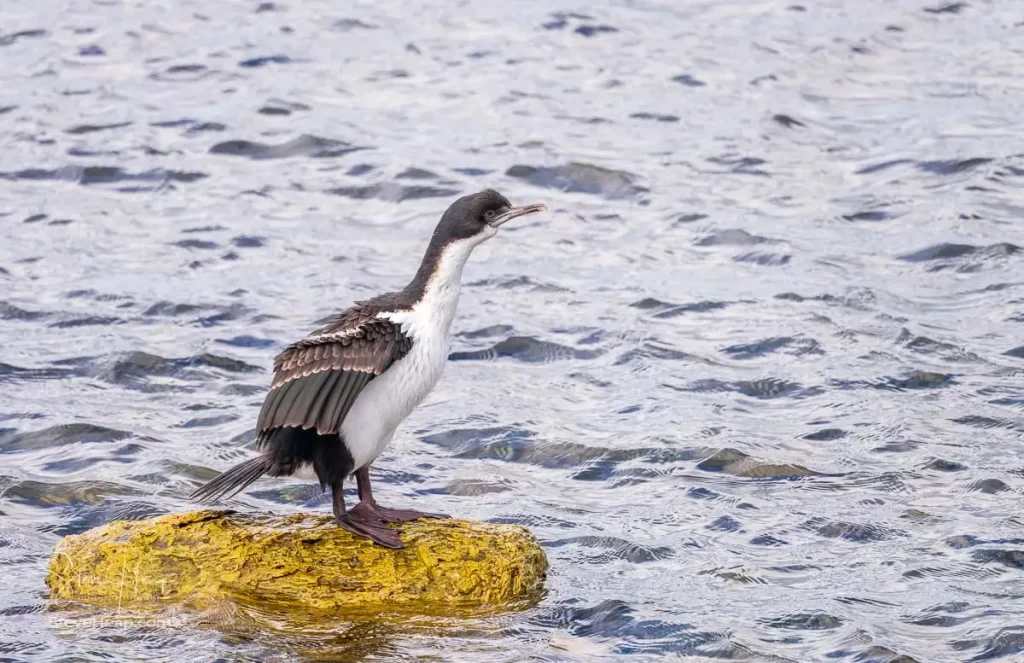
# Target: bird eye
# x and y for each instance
(489, 214)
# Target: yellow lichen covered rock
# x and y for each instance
(298, 562)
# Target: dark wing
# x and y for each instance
(317, 379)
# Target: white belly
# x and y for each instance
(389, 398)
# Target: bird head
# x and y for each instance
(478, 216)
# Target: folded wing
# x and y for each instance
(317, 379)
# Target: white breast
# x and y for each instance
(389, 398)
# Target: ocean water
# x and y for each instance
(756, 381)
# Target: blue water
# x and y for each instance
(755, 381)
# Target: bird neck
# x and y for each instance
(438, 281)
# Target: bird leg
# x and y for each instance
(355, 522)
(369, 509)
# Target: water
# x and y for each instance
(755, 381)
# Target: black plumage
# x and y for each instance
(316, 381)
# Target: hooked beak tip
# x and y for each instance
(518, 211)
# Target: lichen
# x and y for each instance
(298, 562)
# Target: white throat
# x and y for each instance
(441, 295)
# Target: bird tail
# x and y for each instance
(230, 482)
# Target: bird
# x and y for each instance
(338, 395)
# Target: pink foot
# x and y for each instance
(373, 512)
(375, 530)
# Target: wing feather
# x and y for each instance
(341, 400)
(311, 414)
(310, 390)
(271, 405)
(317, 379)
(287, 411)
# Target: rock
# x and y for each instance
(298, 563)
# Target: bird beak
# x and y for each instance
(518, 211)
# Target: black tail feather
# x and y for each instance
(230, 482)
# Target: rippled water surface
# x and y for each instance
(756, 381)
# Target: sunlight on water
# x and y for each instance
(755, 381)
